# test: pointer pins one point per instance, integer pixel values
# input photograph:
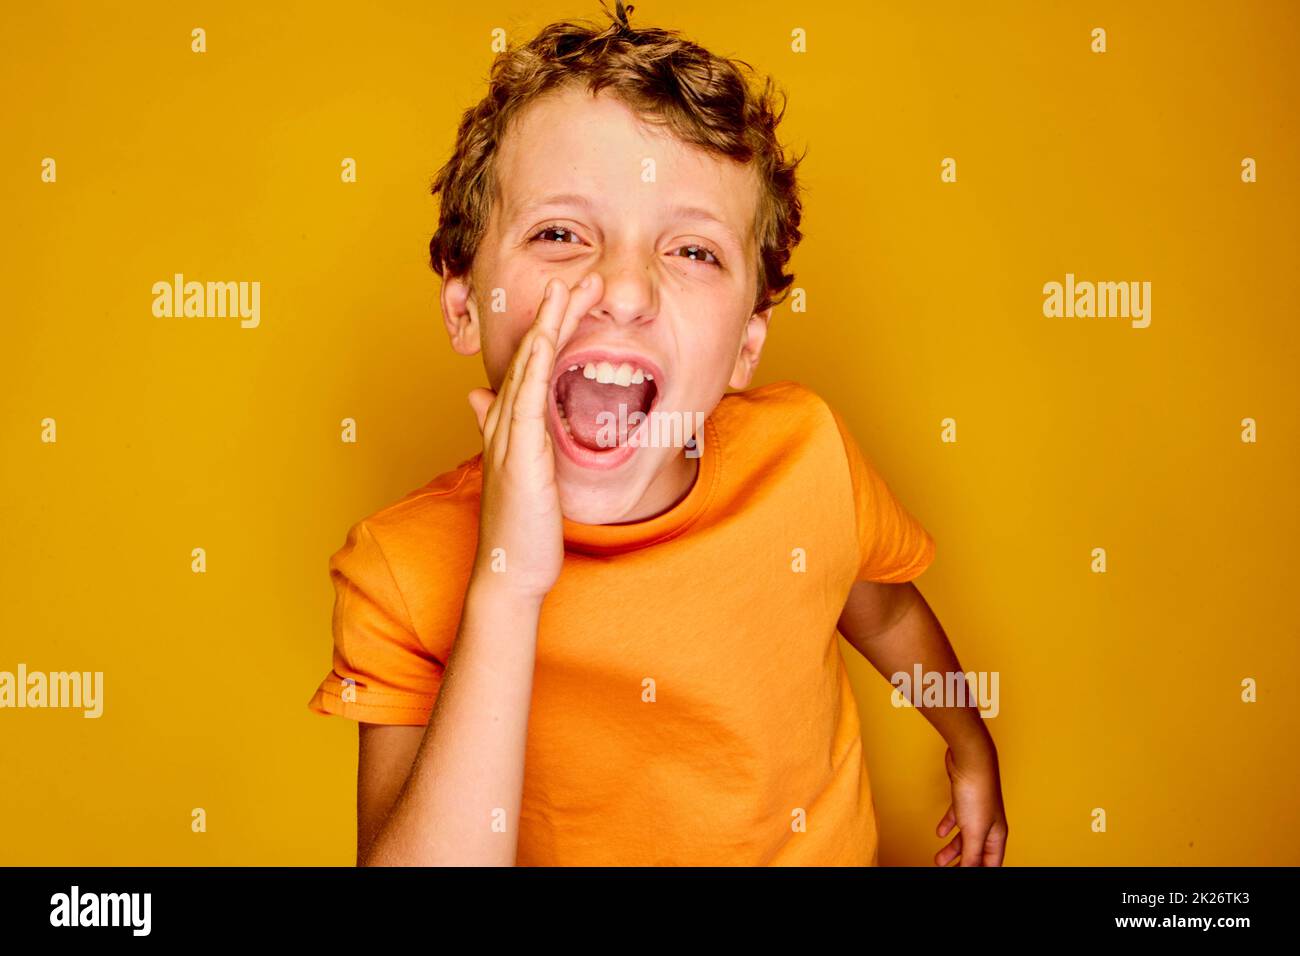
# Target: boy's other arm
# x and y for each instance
(892, 626)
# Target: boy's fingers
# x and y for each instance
(493, 415)
(972, 848)
(947, 822)
(505, 393)
(480, 400)
(551, 312)
(948, 853)
(556, 297)
(557, 315)
(496, 426)
(530, 401)
(556, 322)
(580, 303)
(995, 847)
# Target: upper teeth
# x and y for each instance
(607, 373)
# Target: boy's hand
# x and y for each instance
(520, 507)
(976, 810)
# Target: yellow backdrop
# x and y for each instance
(1120, 691)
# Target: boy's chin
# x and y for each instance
(611, 497)
(603, 501)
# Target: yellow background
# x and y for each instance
(1119, 691)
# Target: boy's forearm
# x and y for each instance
(917, 637)
(460, 805)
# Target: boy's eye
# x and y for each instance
(566, 235)
(700, 253)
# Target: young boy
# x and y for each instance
(610, 638)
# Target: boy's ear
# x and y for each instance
(460, 314)
(751, 347)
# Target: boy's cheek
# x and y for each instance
(502, 333)
(716, 360)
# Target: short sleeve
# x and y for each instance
(893, 546)
(382, 674)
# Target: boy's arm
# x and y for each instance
(385, 753)
(892, 626)
(459, 802)
(430, 796)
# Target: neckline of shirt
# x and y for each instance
(615, 538)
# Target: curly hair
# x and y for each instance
(704, 100)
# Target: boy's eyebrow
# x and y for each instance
(678, 211)
(699, 212)
(559, 199)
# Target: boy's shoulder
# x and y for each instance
(794, 400)
(437, 499)
(431, 527)
(781, 418)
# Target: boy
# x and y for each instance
(586, 646)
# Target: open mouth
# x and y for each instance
(596, 398)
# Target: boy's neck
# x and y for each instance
(669, 487)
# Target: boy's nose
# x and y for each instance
(630, 294)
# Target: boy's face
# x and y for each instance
(586, 187)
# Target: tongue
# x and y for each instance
(584, 400)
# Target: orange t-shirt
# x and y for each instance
(691, 706)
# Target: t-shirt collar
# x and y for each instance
(616, 538)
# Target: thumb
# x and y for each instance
(480, 400)
(948, 822)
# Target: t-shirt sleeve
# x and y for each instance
(893, 546)
(382, 673)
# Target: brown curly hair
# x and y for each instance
(703, 99)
